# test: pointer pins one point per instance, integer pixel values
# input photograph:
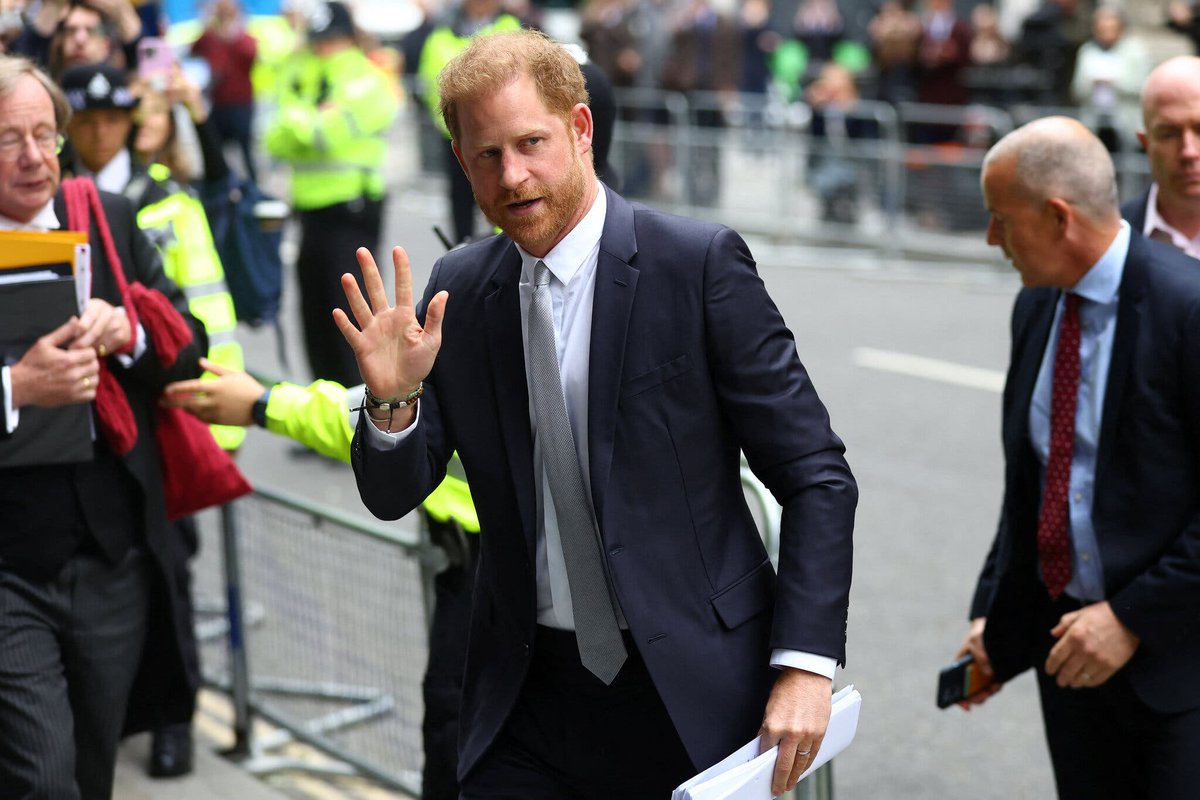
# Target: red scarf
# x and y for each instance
(167, 330)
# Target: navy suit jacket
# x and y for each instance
(1134, 211)
(1146, 507)
(690, 362)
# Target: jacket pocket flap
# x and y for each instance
(745, 598)
(660, 374)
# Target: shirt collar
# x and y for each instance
(575, 248)
(44, 220)
(1103, 280)
(113, 176)
(1174, 237)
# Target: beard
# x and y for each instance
(560, 204)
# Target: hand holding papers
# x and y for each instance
(745, 774)
(43, 282)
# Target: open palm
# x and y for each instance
(393, 350)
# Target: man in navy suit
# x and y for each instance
(1170, 210)
(1094, 575)
(672, 358)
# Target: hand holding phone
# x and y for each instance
(155, 61)
(961, 681)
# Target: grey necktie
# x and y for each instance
(601, 648)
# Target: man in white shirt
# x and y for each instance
(1170, 211)
(664, 356)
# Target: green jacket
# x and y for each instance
(317, 417)
(331, 126)
(174, 220)
(442, 45)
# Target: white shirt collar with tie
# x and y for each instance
(572, 264)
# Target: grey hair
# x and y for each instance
(13, 68)
(1075, 168)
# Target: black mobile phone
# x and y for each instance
(960, 680)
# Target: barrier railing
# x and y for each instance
(890, 177)
(323, 633)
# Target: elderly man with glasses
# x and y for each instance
(83, 541)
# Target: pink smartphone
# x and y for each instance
(155, 59)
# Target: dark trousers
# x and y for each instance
(328, 240)
(185, 642)
(69, 652)
(234, 123)
(1105, 743)
(442, 685)
(570, 736)
(462, 198)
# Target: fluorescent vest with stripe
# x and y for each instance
(440, 48)
(179, 229)
(316, 416)
(331, 127)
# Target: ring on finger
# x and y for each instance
(102, 350)
(803, 752)
(87, 382)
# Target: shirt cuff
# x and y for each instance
(809, 662)
(139, 345)
(377, 439)
(10, 413)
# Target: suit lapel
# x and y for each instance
(502, 311)
(616, 286)
(1034, 337)
(1129, 311)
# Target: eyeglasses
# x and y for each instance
(13, 144)
(92, 31)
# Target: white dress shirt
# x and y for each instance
(1167, 233)
(572, 264)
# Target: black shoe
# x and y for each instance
(171, 752)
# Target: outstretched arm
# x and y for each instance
(394, 352)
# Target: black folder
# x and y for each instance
(59, 435)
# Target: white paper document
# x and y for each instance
(745, 774)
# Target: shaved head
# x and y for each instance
(1171, 136)
(1060, 157)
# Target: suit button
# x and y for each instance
(526, 646)
(616, 551)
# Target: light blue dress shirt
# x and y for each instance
(1098, 291)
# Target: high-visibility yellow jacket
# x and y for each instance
(331, 126)
(316, 416)
(442, 45)
(174, 220)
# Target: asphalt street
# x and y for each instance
(909, 358)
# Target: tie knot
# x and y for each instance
(1072, 301)
(541, 274)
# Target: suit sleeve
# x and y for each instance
(394, 482)
(784, 430)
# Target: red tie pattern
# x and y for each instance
(1054, 547)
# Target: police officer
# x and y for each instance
(335, 108)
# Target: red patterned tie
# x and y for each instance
(1054, 548)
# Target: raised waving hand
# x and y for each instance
(394, 352)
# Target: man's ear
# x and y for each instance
(458, 155)
(1062, 211)
(581, 124)
(1142, 139)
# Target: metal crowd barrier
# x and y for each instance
(323, 633)
(884, 176)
